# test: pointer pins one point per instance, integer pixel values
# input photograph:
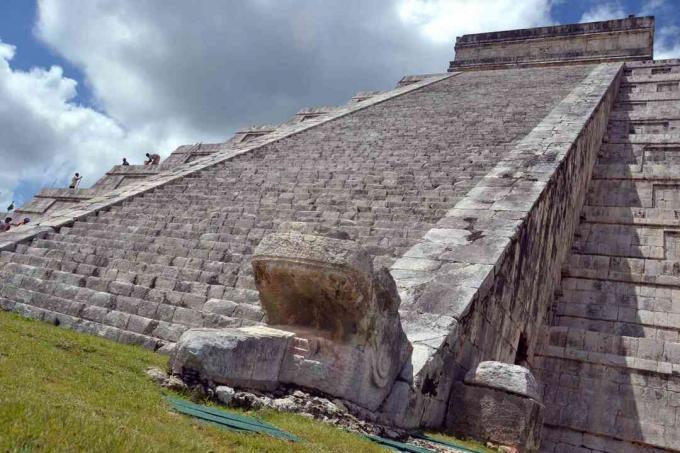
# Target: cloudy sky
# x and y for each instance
(85, 82)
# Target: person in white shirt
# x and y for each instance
(75, 181)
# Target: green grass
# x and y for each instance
(65, 391)
(468, 443)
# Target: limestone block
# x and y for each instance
(504, 376)
(246, 357)
(494, 415)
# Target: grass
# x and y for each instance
(467, 443)
(65, 391)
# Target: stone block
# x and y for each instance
(489, 414)
(504, 376)
(219, 306)
(313, 281)
(248, 357)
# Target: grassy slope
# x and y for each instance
(60, 390)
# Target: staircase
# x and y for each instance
(610, 363)
(178, 256)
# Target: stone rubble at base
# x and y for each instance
(469, 187)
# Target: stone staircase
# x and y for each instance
(144, 270)
(610, 363)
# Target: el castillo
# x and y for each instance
(491, 253)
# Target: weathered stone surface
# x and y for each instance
(348, 337)
(504, 376)
(611, 40)
(319, 283)
(504, 243)
(156, 374)
(247, 357)
(225, 394)
(609, 359)
(496, 416)
(337, 325)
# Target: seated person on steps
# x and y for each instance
(152, 159)
(5, 225)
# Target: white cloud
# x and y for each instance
(667, 38)
(667, 43)
(604, 11)
(443, 20)
(652, 7)
(46, 136)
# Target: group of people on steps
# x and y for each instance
(151, 159)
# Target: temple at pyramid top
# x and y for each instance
(594, 42)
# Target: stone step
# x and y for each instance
(239, 239)
(184, 308)
(649, 97)
(230, 231)
(623, 128)
(624, 193)
(153, 254)
(639, 139)
(624, 215)
(81, 324)
(90, 306)
(319, 194)
(240, 295)
(360, 225)
(218, 197)
(646, 113)
(632, 327)
(631, 404)
(556, 438)
(634, 241)
(93, 246)
(235, 235)
(662, 173)
(29, 288)
(217, 251)
(648, 107)
(129, 271)
(645, 354)
(416, 209)
(642, 318)
(619, 308)
(161, 264)
(245, 271)
(623, 269)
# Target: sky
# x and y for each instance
(84, 83)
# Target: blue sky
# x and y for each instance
(86, 82)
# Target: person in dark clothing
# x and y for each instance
(5, 225)
(152, 159)
(125, 162)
